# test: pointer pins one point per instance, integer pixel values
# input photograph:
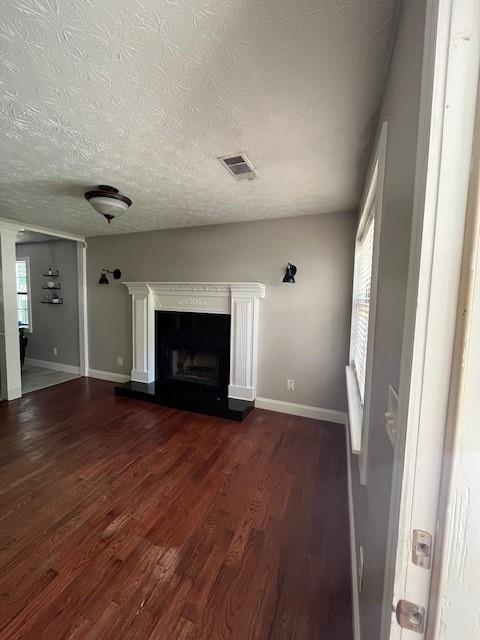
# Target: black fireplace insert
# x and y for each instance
(193, 349)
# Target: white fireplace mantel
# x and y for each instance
(238, 299)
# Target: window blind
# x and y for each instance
(361, 302)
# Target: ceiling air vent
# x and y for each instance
(239, 166)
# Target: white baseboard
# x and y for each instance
(56, 366)
(107, 375)
(304, 410)
(353, 544)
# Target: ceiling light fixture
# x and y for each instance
(108, 201)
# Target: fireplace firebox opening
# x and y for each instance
(193, 365)
(193, 349)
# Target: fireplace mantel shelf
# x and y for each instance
(255, 289)
(238, 299)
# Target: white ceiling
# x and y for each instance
(146, 94)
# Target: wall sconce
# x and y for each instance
(289, 276)
(116, 273)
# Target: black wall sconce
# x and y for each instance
(289, 276)
(116, 273)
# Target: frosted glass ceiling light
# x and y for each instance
(108, 201)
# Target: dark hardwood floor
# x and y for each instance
(121, 519)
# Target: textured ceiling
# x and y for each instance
(146, 94)
(26, 237)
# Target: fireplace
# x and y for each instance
(193, 349)
(195, 345)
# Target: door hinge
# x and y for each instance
(422, 548)
(410, 616)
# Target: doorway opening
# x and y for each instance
(47, 310)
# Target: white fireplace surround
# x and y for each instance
(238, 299)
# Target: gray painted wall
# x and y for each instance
(53, 325)
(304, 328)
(401, 109)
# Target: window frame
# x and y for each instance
(371, 204)
(25, 259)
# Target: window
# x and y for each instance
(362, 284)
(365, 276)
(24, 303)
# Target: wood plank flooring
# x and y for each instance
(123, 520)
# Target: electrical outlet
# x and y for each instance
(120, 360)
(290, 384)
(55, 351)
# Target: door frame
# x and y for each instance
(13, 227)
(444, 151)
(450, 592)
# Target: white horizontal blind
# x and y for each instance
(361, 301)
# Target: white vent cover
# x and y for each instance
(239, 167)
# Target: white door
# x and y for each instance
(449, 86)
